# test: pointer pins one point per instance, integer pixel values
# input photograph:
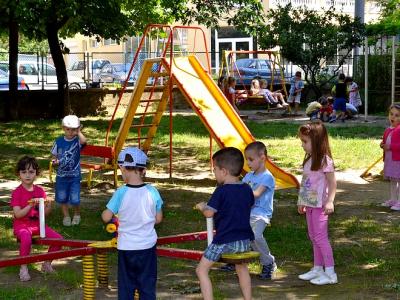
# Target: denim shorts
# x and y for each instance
(214, 251)
(68, 190)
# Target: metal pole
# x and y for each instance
(366, 50)
(358, 13)
(393, 66)
(42, 228)
(210, 230)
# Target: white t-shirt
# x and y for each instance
(136, 207)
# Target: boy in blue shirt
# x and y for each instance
(296, 86)
(230, 206)
(263, 185)
(138, 206)
(66, 154)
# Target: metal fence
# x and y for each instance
(87, 69)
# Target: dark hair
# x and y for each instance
(342, 76)
(230, 159)
(348, 79)
(26, 162)
(129, 158)
(324, 101)
(320, 148)
(257, 146)
(298, 74)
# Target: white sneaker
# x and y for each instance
(324, 279)
(67, 221)
(389, 203)
(313, 273)
(76, 220)
(396, 206)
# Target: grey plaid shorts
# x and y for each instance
(214, 251)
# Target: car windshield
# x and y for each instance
(264, 65)
(98, 64)
(119, 68)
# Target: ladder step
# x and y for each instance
(151, 100)
(141, 125)
(159, 74)
(135, 139)
(146, 113)
(157, 88)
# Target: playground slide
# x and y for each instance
(221, 120)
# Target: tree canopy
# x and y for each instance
(389, 22)
(52, 19)
(310, 39)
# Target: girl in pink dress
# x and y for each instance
(316, 196)
(24, 202)
(391, 156)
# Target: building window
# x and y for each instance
(94, 43)
(108, 42)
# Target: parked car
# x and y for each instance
(88, 70)
(245, 69)
(39, 76)
(117, 73)
(4, 82)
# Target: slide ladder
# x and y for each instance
(146, 106)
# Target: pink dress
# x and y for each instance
(391, 168)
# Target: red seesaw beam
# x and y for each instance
(179, 253)
(22, 260)
(185, 237)
(62, 242)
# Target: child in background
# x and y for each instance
(272, 97)
(66, 154)
(326, 109)
(230, 205)
(339, 104)
(316, 196)
(262, 183)
(24, 202)
(230, 92)
(391, 156)
(255, 87)
(296, 86)
(138, 206)
(354, 93)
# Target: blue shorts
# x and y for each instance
(214, 251)
(339, 104)
(68, 190)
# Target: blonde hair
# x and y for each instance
(255, 87)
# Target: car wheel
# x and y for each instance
(74, 86)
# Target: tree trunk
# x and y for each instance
(12, 62)
(61, 71)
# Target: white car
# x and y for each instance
(42, 76)
(88, 70)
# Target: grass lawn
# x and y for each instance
(365, 236)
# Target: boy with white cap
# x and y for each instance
(138, 206)
(66, 154)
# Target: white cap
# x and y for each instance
(71, 121)
(139, 158)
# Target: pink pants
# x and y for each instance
(25, 232)
(317, 223)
